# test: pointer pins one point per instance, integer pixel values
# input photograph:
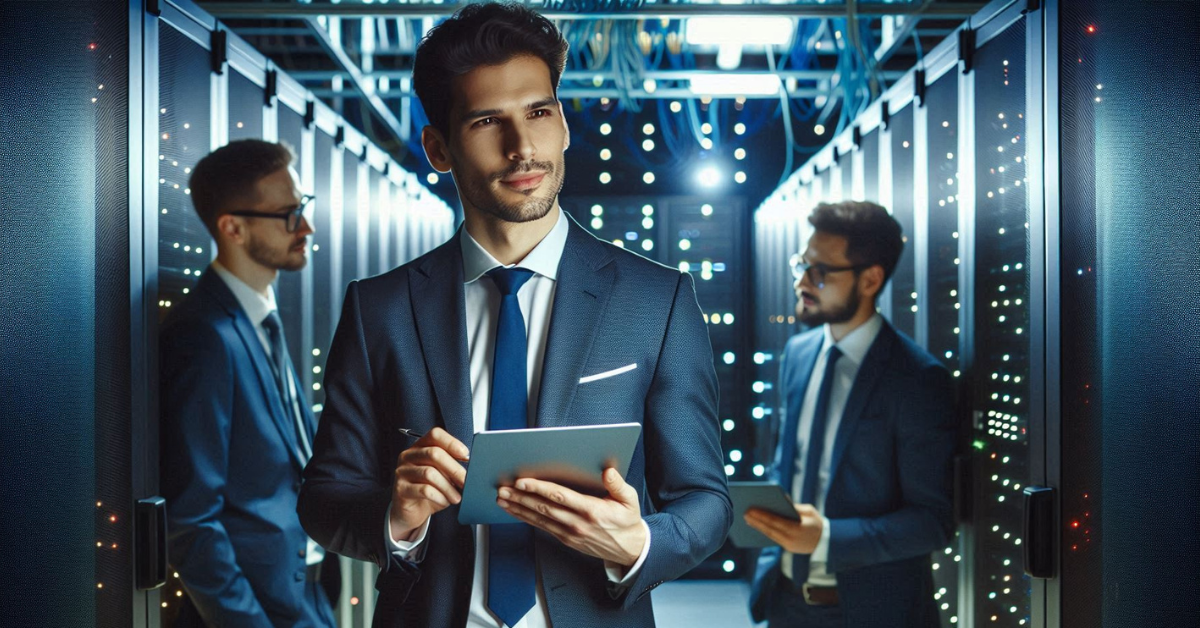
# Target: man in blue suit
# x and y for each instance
(236, 429)
(522, 319)
(866, 445)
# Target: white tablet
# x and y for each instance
(575, 457)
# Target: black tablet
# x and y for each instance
(767, 496)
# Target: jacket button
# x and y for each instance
(301, 553)
(300, 576)
(296, 486)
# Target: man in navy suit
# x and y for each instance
(522, 319)
(866, 446)
(236, 429)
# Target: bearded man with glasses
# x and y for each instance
(866, 447)
(236, 428)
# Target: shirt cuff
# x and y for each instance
(614, 570)
(412, 551)
(821, 552)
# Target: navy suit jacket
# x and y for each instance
(890, 496)
(230, 467)
(399, 359)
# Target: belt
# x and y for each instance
(312, 573)
(820, 596)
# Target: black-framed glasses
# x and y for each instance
(817, 272)
(290, 218)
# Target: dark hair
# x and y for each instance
(872, 235)
(228, 176)
(477, 35)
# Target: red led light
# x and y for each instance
(92, 46)
(1091, 29)
(1075, 524)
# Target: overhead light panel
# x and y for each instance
(745, 31)
(763, 84)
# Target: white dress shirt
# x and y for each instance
(257, 306)
(536, 298)
(854, 348)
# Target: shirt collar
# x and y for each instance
(857, 343)
(543, 259)
(256, 306)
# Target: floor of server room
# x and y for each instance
(703, 604)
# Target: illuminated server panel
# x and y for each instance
(1001, 407)
(780, 231)
(185, 246)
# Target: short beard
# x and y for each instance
(833, 316)
(480, 197)
(273, 258)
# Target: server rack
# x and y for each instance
(924, 138)
(208, 87)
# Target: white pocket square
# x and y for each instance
(605, 374)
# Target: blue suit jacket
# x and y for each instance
(230, 467)
(890, 495)
(399, 359)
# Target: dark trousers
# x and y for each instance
(789, 610)
(314, 592)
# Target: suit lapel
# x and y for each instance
(439, 308)
(262, 367)
(585, 277)
(797, 388)
(873, 367)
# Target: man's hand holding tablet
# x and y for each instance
(609, 527)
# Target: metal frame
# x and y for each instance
(272, 10)
(1038, 304)
(886, 192)
(1051, 192)
(143, 277)
(966, 316)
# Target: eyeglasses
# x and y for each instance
(817, 272)
(291, 218)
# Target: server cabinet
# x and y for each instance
(904, 282)
(71, 361)
(1122, 197)
(293, 288)
(870, 161)
(938, 324)
(1003, 409)
(185, 135)
(379, 204)
(324, 254)
(245, 113)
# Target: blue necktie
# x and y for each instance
(282, 366)
(815, 451)
(511, 578)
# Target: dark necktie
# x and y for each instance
(815, 451)
(511, 578)
(282, 366)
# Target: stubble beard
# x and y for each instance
(480, 195)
